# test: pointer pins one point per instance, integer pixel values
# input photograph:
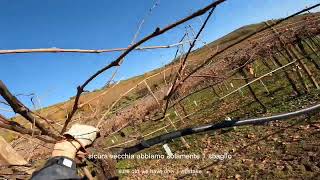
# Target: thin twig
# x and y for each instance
(21, 130)
(183, 63)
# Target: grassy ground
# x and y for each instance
(278, 150)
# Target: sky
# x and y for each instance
(104, 24)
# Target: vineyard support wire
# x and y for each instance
(182, 98)
(259, 78)
(225, 124)
(98, 51)
(221, 98)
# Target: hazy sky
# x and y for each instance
(101, 24)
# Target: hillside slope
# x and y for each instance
(272, 94)
(131, 82)
(106, 96)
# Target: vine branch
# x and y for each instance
(117, 61)
(25, 112)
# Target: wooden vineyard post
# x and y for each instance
(314, 51)
(299, 74)
(244, 75)
(265, 87)
(297, 70)
(304, 67)
(306, 55)
(314, 42)
(261, 81)
(292, 55)
(241, 93)
(178, 115)
(282, 44)
(184, 142)
(9, 156)
(225, 85)
(183, 109)
(287, 51)
(274, 63)
(289, 78)
(214, 91)
(156, 99)
(164, 78)
(265, 63)
(219, 87)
